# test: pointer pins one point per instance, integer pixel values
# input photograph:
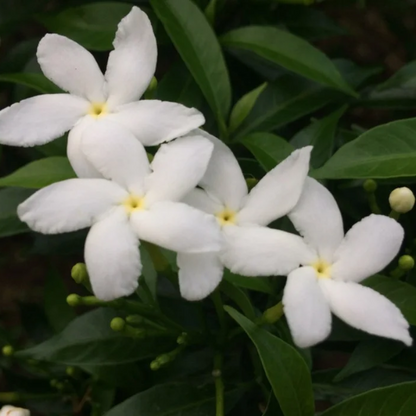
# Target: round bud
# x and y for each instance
(406, 262)
(402, 200)
(73, 300)
(79, 272)
(155, 365)
(7, 350)
(118, 324)
(370, 185)
(71, 371)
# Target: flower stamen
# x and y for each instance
(323, 269)
(97, 109)
(134, 203)
(227, 217)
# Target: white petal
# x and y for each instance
(71, 67)
(199, 199)
(278, 192)
(116, 154)
(306, 309)
(154, 122)
(177, 227)
(365, 309)
(70, 205)
(199, 274)
(132, 63)
(318, 219)
(177, 168)
(224, 178)
(369, 246)
(112, 257)
(38, 120)
(262, 251)
(81, 165)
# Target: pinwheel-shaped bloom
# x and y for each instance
(333, 265)
(13, 411)
(136, 201)
(243, 217)
(94, 97)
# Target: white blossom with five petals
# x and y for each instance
(94, 97)
(243, 217)
(138, 200)
(332, 267)
(13, 411)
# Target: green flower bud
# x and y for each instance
(154, 365)
(118, 324)
(370, 185)
(273, 314)
(79, 273)
(73, 300)
(163, 359)
(134, 319)
(7, 350)
(251, 182)
(182, 338)
(402, 200)
(406, 262)
(71, 371)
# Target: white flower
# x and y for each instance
(401, 200)
(94, 97)
(333, 265)
(13, 411)
(243, 217)
(140, 201)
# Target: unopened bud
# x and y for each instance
(370, 185)
(406, 262)
(73, 300)
(72, 371)
(251, 182)
(79, 273)
(154, 365)
(273, 314)
(134, 319)
(7, 350)
(182, 339)
(118, 324)
(402, 200)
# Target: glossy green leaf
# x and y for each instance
(368, 354)
(405, 77)
(89, 340)
(260, 284)
(289, 51)
(91, 25)
(396, 400)
(38, 82)
(286, 370)
(40, 173)
(268, 149)
(400, 293)
(239, 297)
(176, 399)
(10, 198)
(57, 310)
(243, 107)
(321, 135)
(198, 46)
(386, 151)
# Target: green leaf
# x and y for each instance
(268, 149)
(243, 107)
(284, 100)
(40, 173)
(38, 82)
(396, 400)
(91, 25)
(368, 354)
(386, 151)
(239, 297)
(148, 271)
(289, 51)
(286, 370)
(57, 310)
(198, 46)
(257, 284)
(89, 340)
(405, 77)
(400, 293)
(175, 399)
(10, 198)
(320, 134)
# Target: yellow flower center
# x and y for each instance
(323, 269)
(226, 217)
(134, 203)
(97, 109)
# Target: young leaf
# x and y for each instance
(285, 368)
(198, 46)
(256, 284)
(386, 151)
(289, 51)
(397, 400)
(268, 149)
(40, 173)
